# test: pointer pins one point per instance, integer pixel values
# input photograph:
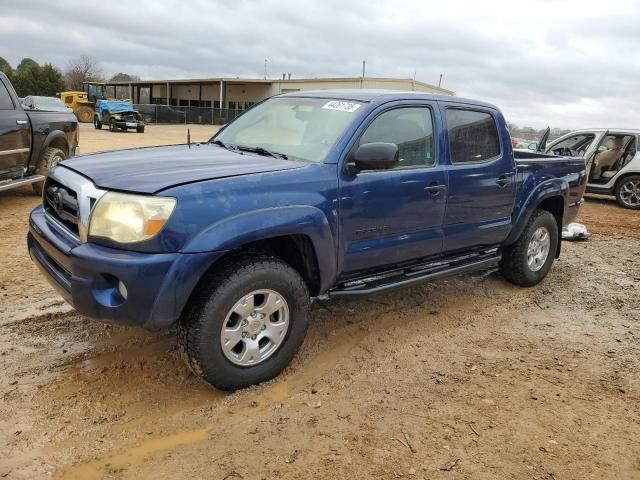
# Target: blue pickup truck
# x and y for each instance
(311, 195)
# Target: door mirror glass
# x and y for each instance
(533, 146)
(376, 156)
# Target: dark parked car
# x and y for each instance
(307, 195)
(32, 141)
(48, 104)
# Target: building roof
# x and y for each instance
(236, 80)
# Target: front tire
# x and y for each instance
(527, 262)
(84, 114)
(97, 124)
(628, 192)
(112, 126)
(49, 159)
(245, 323)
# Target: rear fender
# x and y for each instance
(234, 232)
(555, 187)
(56, 138)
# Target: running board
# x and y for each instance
(20, 182)
(412, 277)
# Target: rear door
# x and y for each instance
(15, 135)
(481, 177)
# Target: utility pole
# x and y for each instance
(265, 68)
(364, 66)
(440, 81)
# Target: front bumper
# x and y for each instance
(90, 277)
(129, 124)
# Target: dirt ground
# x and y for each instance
(468, 378)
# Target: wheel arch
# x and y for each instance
(550, 196)
(624, 176)
(299, 235)
(54, 139)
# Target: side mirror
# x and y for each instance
(533, 146)
(375, 156)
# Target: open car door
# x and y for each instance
(542, 144)
(591, 158)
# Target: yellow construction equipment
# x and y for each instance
(83, 103)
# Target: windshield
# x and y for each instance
(297, 127)
(48, 103)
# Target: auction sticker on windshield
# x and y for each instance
(341, 106)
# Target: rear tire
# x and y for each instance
(49, 159)
(628, 192)
(140, 129)
(528, 261)
(212, 313)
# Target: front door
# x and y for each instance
(15, 136)
(393, 216)
(481, 178)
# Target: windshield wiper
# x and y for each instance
(227, 146)
(263, 151)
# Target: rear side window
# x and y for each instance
(473, 136)
(5, 100)
(411, 129)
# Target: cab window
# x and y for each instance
(473, 136)
(575, 145)
(411, 129)
(5, 99)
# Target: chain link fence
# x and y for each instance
(172, 114)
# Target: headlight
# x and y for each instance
(126, 218)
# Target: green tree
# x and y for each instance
(32, 79)
(5, 67)
(124, 77)
(26, 63)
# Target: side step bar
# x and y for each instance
(412, 278)
(21, 181)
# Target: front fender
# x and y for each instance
(554, 187)
(234, 232)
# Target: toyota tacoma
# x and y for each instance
(308, 195)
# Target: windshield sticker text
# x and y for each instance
(349, 107)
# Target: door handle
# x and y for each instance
(434, 189)
(503, 181)
(21, 122)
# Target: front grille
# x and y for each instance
(61, 203)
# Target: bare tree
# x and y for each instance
(83, 69)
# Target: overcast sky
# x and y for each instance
(563, 63)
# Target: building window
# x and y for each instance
(232, 105)
(216, 104)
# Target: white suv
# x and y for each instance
(614, 159)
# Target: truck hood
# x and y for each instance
(150, 170)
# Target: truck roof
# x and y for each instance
(380, 95)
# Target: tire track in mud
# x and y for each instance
(336, 349)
